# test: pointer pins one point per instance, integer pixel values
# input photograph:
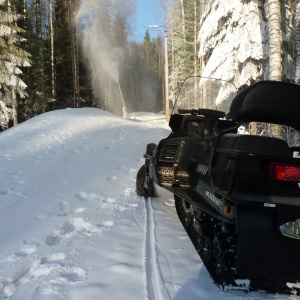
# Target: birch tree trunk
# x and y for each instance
(202, 8)
(297, 56)
(196, 21)
(172, 42)
(297, 40)
(273, 13)
(183, 19)
(275, 39)
(196, 69)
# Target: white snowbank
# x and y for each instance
(72, 226)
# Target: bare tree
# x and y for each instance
(51, 32)
(40, 58)
(73, 30)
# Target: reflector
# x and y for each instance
(285, 172)
(291, 229)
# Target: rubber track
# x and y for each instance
(258, 284)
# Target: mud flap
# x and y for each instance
(263, 252)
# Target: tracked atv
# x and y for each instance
(237, 195)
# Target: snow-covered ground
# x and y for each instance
(72, 226)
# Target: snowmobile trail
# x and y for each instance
(152, 272)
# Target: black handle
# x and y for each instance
(203, 111)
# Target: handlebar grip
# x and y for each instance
(211, 112)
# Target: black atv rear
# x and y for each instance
(267, 206)
(237, 196)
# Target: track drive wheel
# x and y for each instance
(207, 250)
(200, 240)
(185, 211)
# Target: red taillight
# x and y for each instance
(285, 172)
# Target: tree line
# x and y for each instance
(53, 55)
(45, 63)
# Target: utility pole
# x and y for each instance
(166, 76)
(167, 106)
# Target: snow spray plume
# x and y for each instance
(104, 60)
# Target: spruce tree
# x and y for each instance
(37, 76)
(12, 57)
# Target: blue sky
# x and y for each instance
(149, 12)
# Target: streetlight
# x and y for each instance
(167, 108)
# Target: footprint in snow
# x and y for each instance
(64, 210)
(106, 223)
(9, 289)
(88, 196)
(52, 274)
(27, 248)
(109, 200)
(75, 274)
(65, 207)
(72, 227)
(42, 216)
(78, 210)
(128, 191)
(52, 258)
(112, 204)
(4, 191)
(53, 239)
